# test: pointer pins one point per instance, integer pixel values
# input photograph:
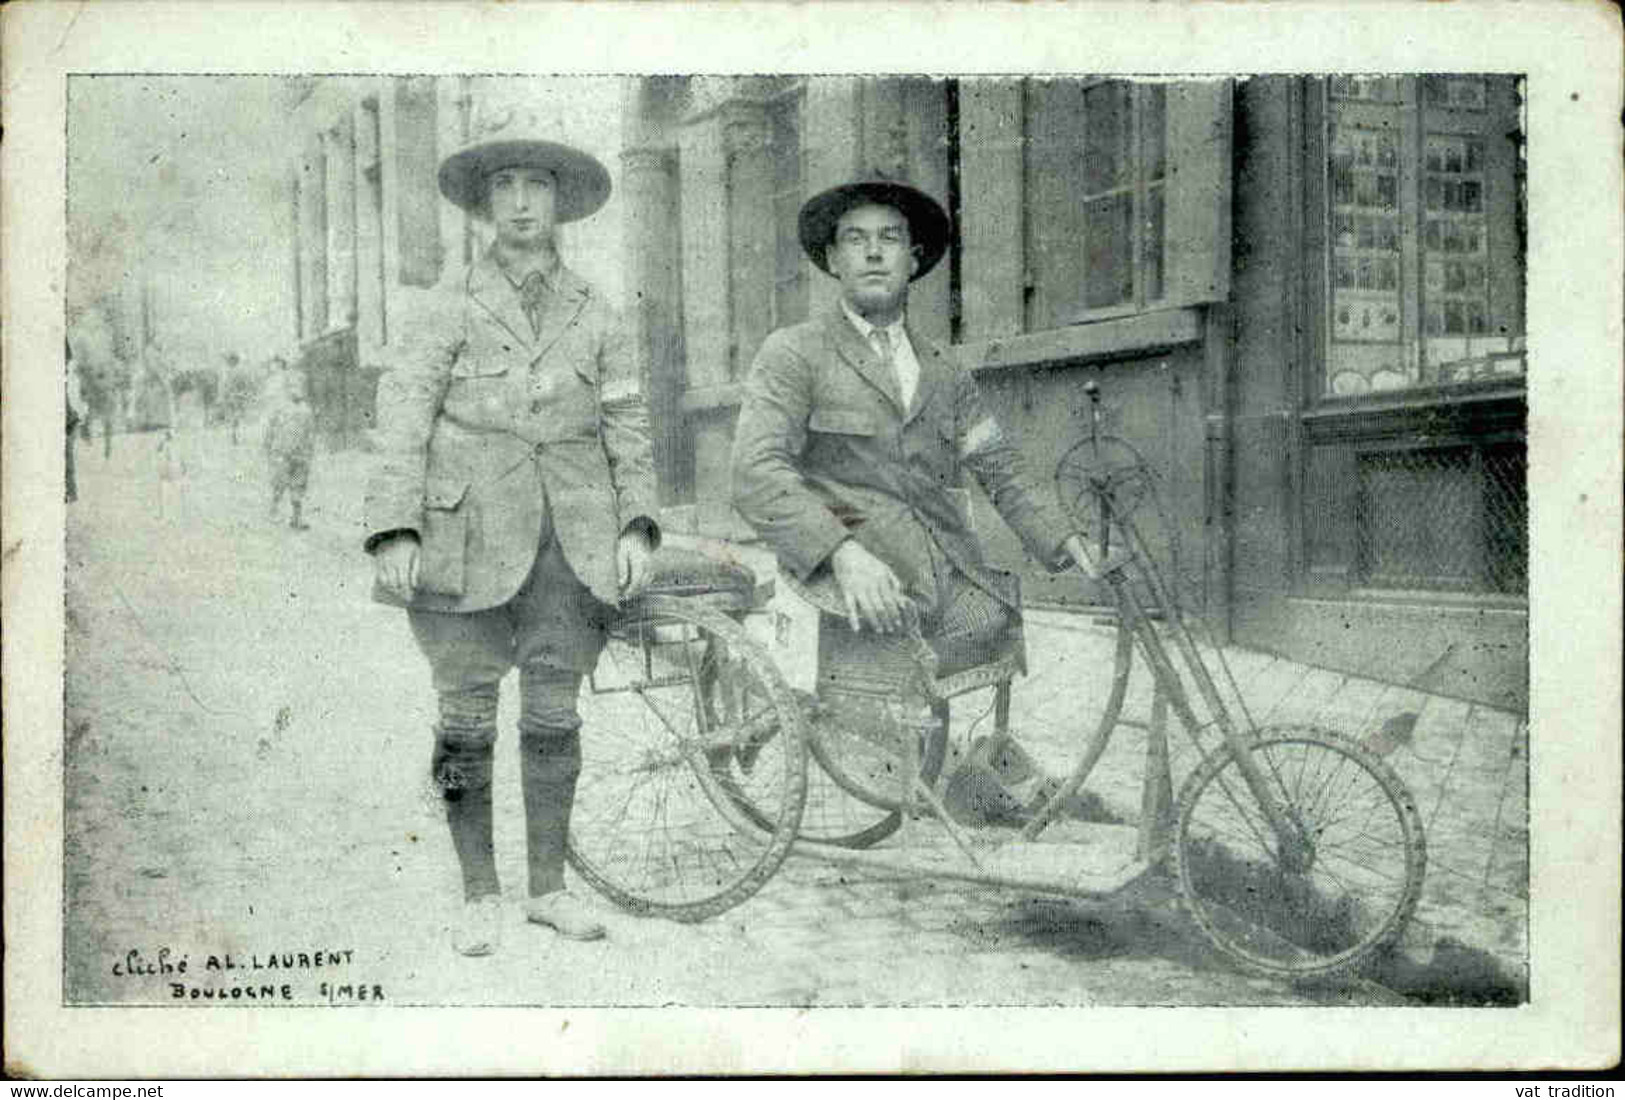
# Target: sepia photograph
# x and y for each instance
(725, 538)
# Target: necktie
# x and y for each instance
(882, 340)
(532, 293)
(888, 356)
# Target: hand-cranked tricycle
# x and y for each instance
(1296, 851)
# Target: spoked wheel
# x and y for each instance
(854, 796)
(1314, 916)
(1108, 464)
(689, 722)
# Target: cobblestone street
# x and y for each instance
(247, 741)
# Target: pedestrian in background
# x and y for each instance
(290, 445)
(237, 392)
(171, 475)
(512, 506)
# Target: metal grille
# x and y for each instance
(1445, 518)
(1504, 472)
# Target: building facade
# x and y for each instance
(1301, 298)
(372, 230)
(366, 227)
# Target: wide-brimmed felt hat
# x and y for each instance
(928, 225)
(512, 139)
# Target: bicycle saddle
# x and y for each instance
(691, 571)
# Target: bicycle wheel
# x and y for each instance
(1357, 887)
(690, 721)
(854, 795)
(860, 745)
(857, 792)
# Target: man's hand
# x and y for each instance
(1078, 551)
(632, 561)
(869, 587)
(395, 565)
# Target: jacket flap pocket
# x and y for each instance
(488, 353)
(479, 366)
(843, 422)
(444, 493)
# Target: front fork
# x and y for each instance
(1294, 849)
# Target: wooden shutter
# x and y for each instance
(417, 161)
(1196, 228)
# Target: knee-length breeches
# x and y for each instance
(553, 630)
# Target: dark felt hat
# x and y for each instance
(511, 140)
(928, 226)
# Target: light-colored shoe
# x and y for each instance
(478, 930)
(566, 914)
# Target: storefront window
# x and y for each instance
(1425, 263)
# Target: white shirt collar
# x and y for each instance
(904, 363)
(897, 330)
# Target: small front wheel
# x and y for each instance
(690, 723)
(1300, 915)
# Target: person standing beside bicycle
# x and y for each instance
(512, 508)
(855, 431)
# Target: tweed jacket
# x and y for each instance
(489, 433)
(825, 451)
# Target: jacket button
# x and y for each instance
(535, 407)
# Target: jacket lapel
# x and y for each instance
(934, 368)
(564, 305)
(852, 347)
(490, 288)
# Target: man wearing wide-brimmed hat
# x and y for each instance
(855, 432)
(512, 507)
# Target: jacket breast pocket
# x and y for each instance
(843, 422)
(442, 560)
(486, 351)
(477, 366)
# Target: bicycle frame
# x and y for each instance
(1295, 850)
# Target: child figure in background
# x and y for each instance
(290, 443)
(171, 475)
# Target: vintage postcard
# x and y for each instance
(811, 539)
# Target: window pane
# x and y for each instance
(1367, 351)
(1461, 93)
(1425, 231)
(1096, 192)
(1108, 225)
(1376, 89)
(1455, 250)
